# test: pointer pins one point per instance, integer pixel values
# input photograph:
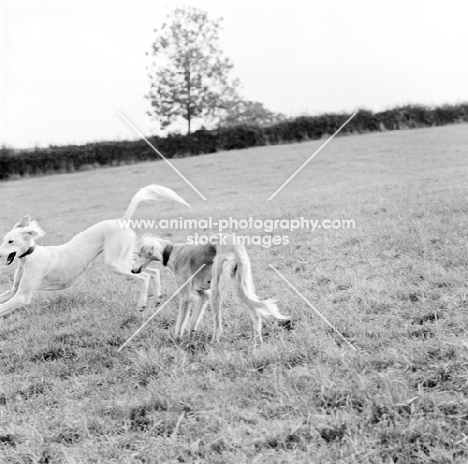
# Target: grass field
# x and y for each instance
(396, 287)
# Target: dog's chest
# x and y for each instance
(191, 258)
(203, 279)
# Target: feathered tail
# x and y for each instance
(245, 289)
(151, 193)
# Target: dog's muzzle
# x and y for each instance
(10, 258)
(137, 271)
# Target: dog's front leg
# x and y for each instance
(16, 280)
(21, 298)
(182, 318)
(156, 278)
(16, 302)
(29, 283)
(198, 311)
(7, 295)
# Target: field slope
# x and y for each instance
(395, 286)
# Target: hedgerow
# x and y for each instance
(56, 159)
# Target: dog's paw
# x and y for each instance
(287, 324)
(146, 313)
(160, 299)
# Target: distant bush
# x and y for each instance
(40, 161)
(241, 136)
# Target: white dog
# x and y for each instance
(226, 265)
(58, 267)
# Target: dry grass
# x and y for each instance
(395, 286)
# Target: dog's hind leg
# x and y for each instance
(257, 325)
(216, 302)
(118, 255)
(143, 278)
(219, 283)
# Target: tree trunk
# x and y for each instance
(188, 104)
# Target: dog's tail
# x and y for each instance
(151, 193)
(244, 287)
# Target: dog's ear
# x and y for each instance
(155, 252)
(152, 247)
(33, 231)
(25, 221)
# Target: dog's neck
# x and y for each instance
(167, 253)
(28, 251)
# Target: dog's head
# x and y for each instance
(19, 240)
(149, 248)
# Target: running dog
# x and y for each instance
(58, 267)
(225, 265)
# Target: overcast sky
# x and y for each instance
(69, 66)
